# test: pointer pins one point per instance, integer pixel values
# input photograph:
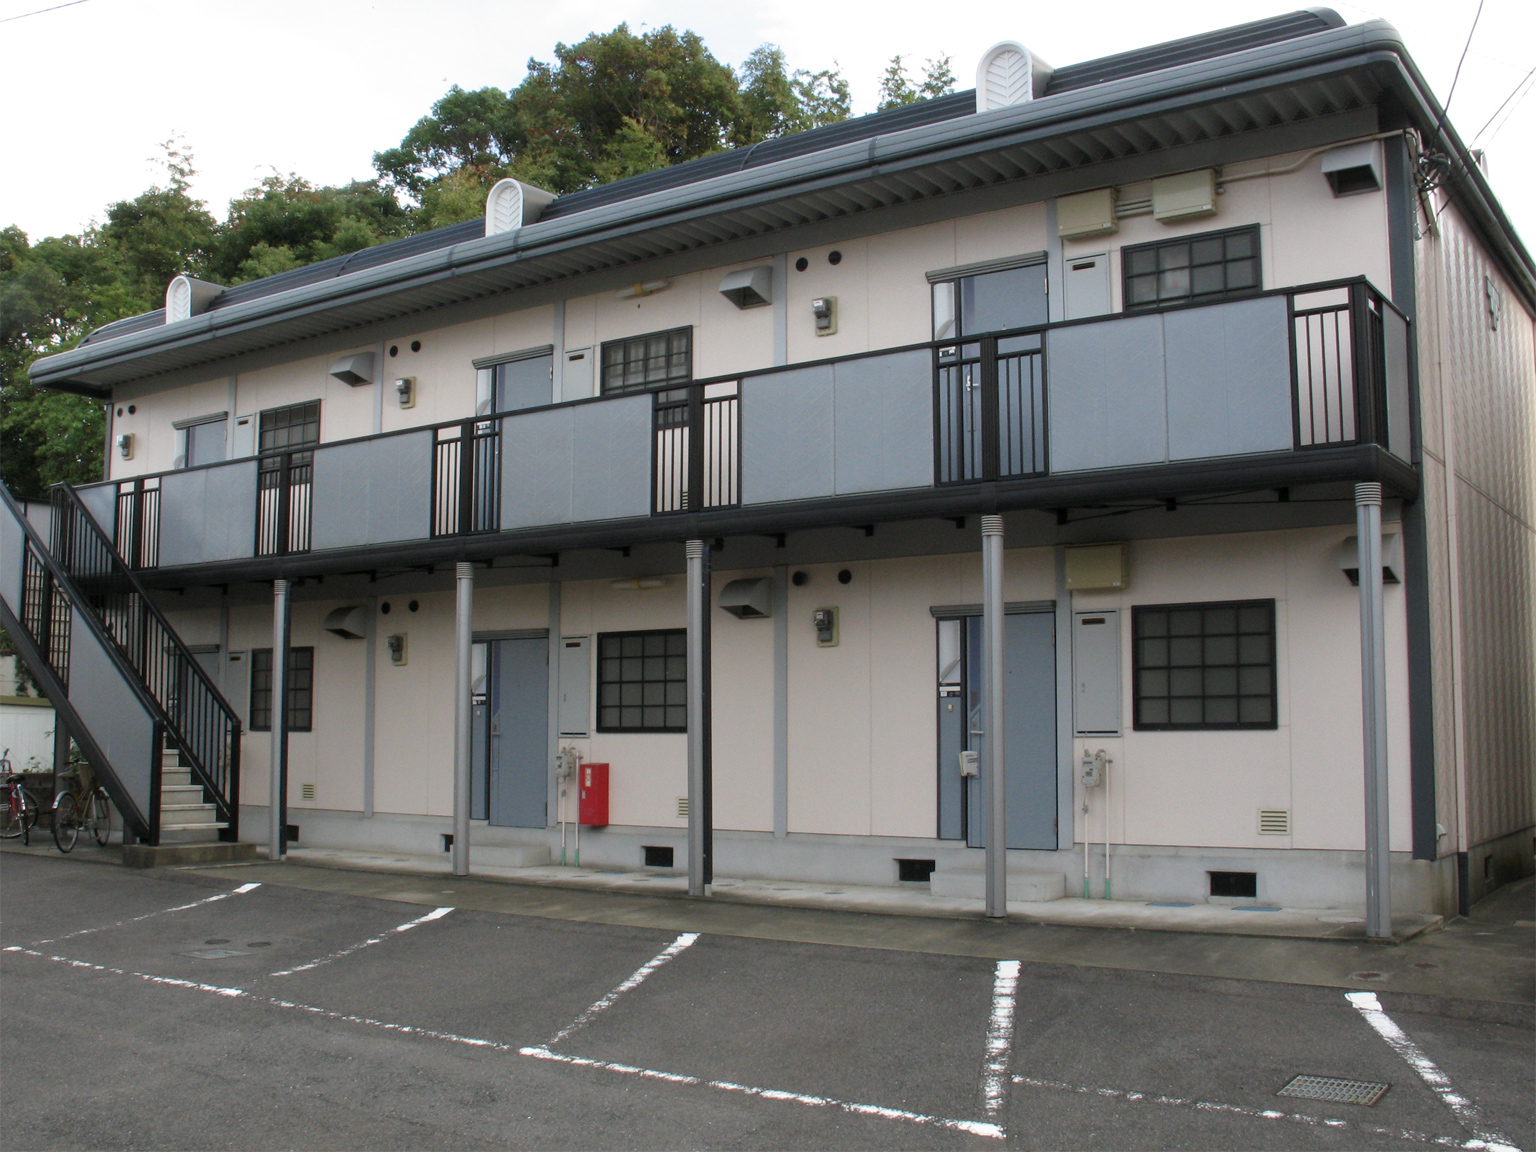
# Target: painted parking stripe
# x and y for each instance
(974, 1127)
(994, 1072)
(435, 914)
(240, 891)
(1253, 1113)
(637, 978)
(1439, 1083)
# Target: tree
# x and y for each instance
(896, 90)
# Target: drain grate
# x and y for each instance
(1334, 1090)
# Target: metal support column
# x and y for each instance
(463, 654)
(700, 863)
(1373, 686)
(277, 792)
(994, 772)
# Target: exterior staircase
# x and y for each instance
(160, 737)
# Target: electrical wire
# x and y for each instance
(1451, 95)
(1523, 81)
(40, 11)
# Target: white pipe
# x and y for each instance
(995, 772)
(1107, 810)
(696, 553)
(463, 706)
(1373, 669)
(1289, 168)
(279, 714)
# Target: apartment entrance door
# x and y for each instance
(1030, 719)
(517, 743)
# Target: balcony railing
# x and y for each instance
(1298, 369)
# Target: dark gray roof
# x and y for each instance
(1142, 60)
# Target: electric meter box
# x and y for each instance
(1185, 196)
(592, 794)
(1096, 567)
(1087, 214)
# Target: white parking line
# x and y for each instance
(639, 975)
(435, 914)
(974, 1127)
(240, 891)
(994, 1072)
(1439, 1083)
(1252, 1113)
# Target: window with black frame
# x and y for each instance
(1209, 266)
(296, 426)
(989, 299)
(640, 362)
(1205, 665)
(300, 689)
(642, 681)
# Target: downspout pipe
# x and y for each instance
(994, 782)
(463, 652)
(277, 794)
(697, 552)
(1373, 690)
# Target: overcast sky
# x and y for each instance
(316, 86)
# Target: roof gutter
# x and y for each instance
(547, 250)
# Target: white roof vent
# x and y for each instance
(511, 204)
(186, 297)
(1009, 74)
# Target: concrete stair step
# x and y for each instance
(175, 777)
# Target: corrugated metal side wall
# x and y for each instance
(1479, 433)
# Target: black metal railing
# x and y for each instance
(466, 485)
(989, 409)
(696, 456)
(198, 721)
(45, 612)
(1339, 358)
(284, 484)
(137, 525)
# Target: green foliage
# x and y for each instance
(896, 89)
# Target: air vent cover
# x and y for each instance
(1274, 822)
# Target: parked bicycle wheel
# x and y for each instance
(66, 822)
(17, 814)
(101, 817)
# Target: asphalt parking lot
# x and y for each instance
(212, 1010)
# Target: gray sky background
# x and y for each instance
(316, 86)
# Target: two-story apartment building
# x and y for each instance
(1066, 408)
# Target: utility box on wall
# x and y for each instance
(1096, 673)
(592, 794)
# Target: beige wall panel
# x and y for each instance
(345, 411)
(512, 606)
(413, 706)
(743, 714)
(849, 282)
(581, 326)
(1316, 236)
(829, 705)
(195, 626)
(676, 306)
(444, 371)
(991, 235)
(731, 339)
(154, 448)
(333, 751)
(528, 328)
(900, 301)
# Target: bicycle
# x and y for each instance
(17, 814)
(83, 806)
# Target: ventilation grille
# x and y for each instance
(1334, 1090)
(308, 791)
(682, 807)
(1274, 822)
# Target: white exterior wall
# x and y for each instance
(1307, 235)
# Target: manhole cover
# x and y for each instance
(213, 953)
(1334, 1090)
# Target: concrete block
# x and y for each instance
(968, 883)
(166, 855)
(509, 855)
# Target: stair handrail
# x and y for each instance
(70, 513)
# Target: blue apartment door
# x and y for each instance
(1029, 640)
(518, 742)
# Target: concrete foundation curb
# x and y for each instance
(170, 855)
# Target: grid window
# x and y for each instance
(296, 426)
(642, 681)
(1205, 665)
(301, 689)
(643, 361)
(1202, 267)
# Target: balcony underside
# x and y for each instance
(1186, 480)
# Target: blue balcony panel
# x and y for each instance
(208, 514)
(577, 463)
(373, 491)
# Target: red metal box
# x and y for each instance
(593, 794)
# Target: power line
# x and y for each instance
(1501, 107)
(1449, 96)
(40, 11)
